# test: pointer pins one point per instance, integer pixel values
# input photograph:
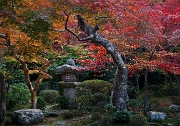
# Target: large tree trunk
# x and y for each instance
(3, 99)
(119, 96)
(33, 99)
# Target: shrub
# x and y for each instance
(18, 94)
(97, 109)
(174, 121)
(163, 109)
(68, 115)
(110, 108)
(96, 116)
(165, 90)
(63, 102)
(133, 104)
(138, 120)
(121, 116)
(41, 103)
(98, 97)
(159, 121)
(132, 91)
(90, 87)
(86, 106)
(43, 86)
(154, 89)
(93, 91)
(49, 96)
(176, 100)
(106, 120)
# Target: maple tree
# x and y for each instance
(144, 32)
(25, 37)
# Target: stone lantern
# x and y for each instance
(68, 73)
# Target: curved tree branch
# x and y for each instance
(80, 39)
(119, 95)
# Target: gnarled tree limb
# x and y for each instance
(119, 95)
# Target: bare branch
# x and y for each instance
(80, 39)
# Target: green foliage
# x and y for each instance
(12, 70)
(92, 92)
(159, 121)
(121, 116)
(37, 25)
(63, 102)
(96, 116)
(133, 105)
(68, 115)
(174, 121)
(85, 106)
(97, 109)
(163, 109)
(132, 91)
(150, 105)
(156, 77)
(154, 88)
(94, 86)
(41, 103)
(138, 120)
(43, 86)
(18, 95)
(98, 97)
(165, 90)
(106, 120)
(110, 108)
(175, 100)
(107, 74)
(49, 96)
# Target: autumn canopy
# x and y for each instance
(134, 34)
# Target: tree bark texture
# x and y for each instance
(33, 99)
(119, 96)
(170, 83)
(177, 80)
(137, 79)
(3, 99)
(146, 90)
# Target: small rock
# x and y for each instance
(60, 123)
(169, 124)
(157, 115)
(28, 116)
(175, 107)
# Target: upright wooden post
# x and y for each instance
(2, 99)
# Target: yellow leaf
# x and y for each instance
(33, 71)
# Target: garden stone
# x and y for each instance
(157, 115)
(170, 124)
(59, 123)
(176, 108)
(52, 114)
(28, 116)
